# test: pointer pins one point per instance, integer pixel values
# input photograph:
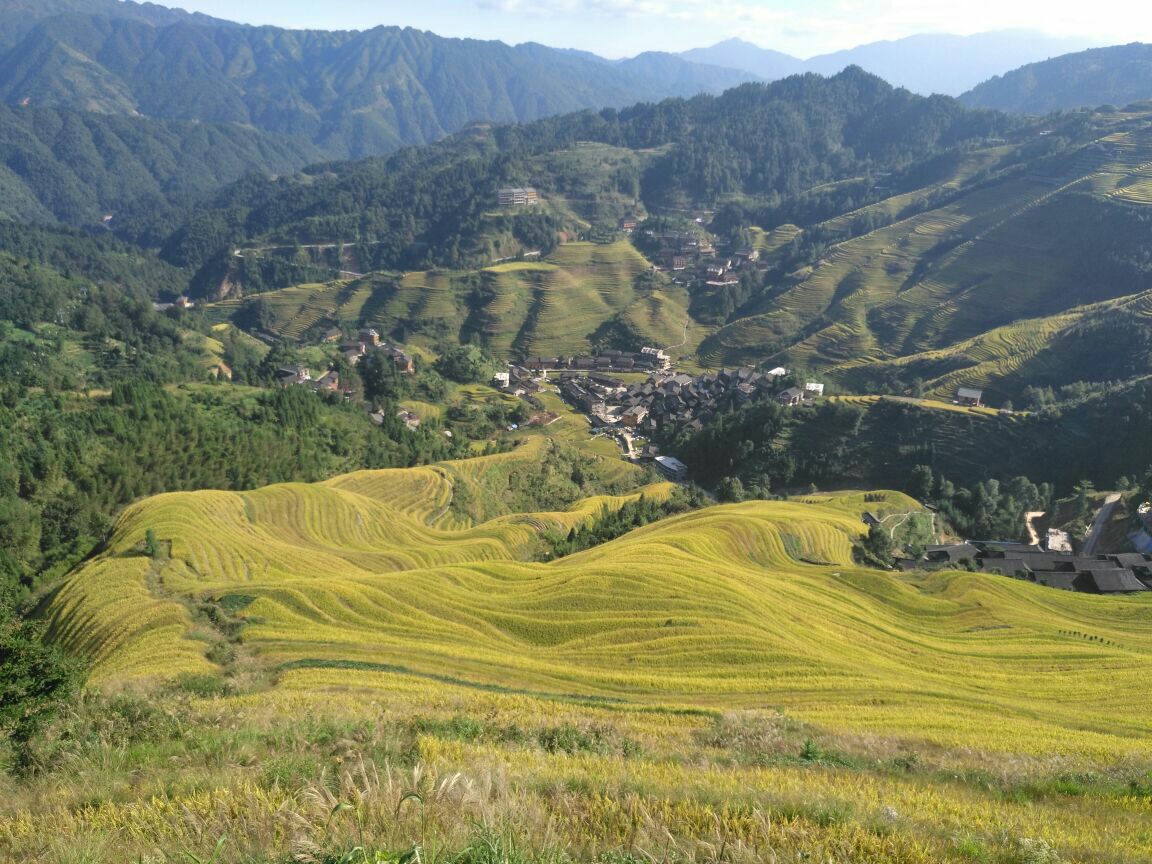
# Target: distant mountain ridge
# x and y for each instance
(1117, 75)
(20, 16)
(352, 93)
(924, 63)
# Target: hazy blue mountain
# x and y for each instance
(738, 54)
(1118, 76)
(948, 64)
(351, 92)
(926, 63)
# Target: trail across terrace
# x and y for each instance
(683, 340)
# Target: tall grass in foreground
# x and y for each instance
(449, 774)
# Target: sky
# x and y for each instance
(617, 28)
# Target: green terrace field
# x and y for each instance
(560, 305)
(723, 676)
(979, 290)
(1040, 352)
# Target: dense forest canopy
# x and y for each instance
(133, 175)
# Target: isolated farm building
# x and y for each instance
(332, 335)
(672, 467)
(502, 379)
(968, 396)
(814, 388)
(352, 349)
(370, 337)
(791, 396)
(627, 224)
(400, 358)
(870, 519)
(329, 381)
(517, 196)
(286, 376)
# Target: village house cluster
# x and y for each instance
(691, 258)
(644, 360)
(672, 401)
(352, 350)
(1103, 574)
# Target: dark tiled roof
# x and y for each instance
(957, 552)
(1049, 563)
(1063, 581)
(1006, 566)
(1092, 564)
(1115, 581)
(1129, 560)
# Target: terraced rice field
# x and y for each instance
(711, 608)
(1136, 188)
(995, 263)
(769, 242)
(431, 297)
(694, 658)
(521, 308)
(555, 306)
(297, 309)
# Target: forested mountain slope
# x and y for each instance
(79, 167)
(1117, 75)
(762, 142)
(20, 16)
(351, 93)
